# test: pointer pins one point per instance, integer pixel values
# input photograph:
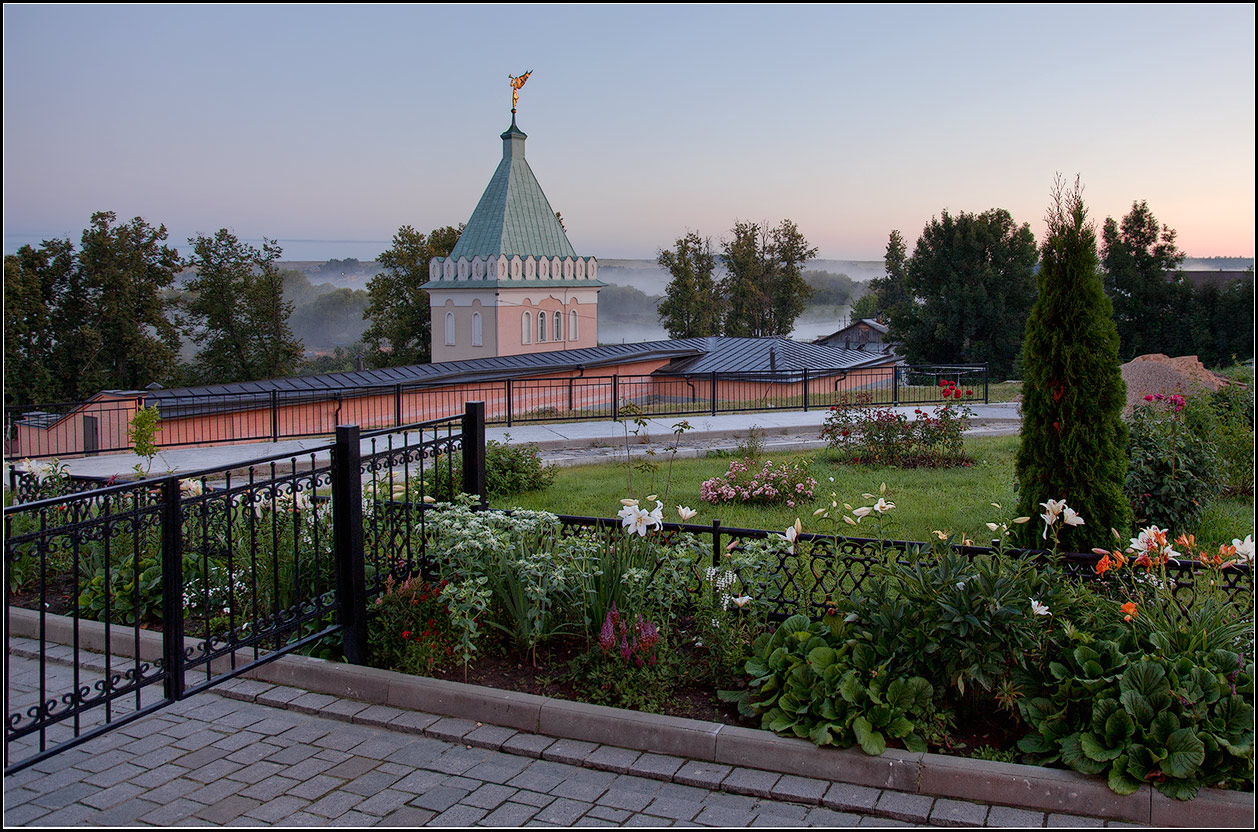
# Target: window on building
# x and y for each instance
(541, 327)
(558, 326)
(449, 329)
(572, 325)
(476, 330)
(526, 328)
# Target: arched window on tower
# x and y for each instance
(526, 328)
(572, 325)
(477, 335)
(558, 326)
(541, 327)
(449, 329)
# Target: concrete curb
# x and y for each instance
(933, 775)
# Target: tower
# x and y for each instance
(513, 283)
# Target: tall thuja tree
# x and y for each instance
(1074, 441)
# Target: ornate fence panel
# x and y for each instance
(135, 595)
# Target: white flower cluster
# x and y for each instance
(1057, 509)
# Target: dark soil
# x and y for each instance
(552, 676)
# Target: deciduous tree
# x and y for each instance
(764, 287)
(1074, 441)
(237, 312)
(969, 287)
(691, 307)
(398, 309)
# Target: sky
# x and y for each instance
(329, 127)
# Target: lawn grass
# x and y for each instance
(955, 500)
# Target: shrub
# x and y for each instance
(882, 436)
(769, 484)
(1234, 440)
(1172, 473)
(509, 469)
(1074, 442)
(409, 627)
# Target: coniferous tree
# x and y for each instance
(889, 290)
(691, 307)
(1148, 306)
(1074, 441)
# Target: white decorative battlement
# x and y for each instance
(443, 269)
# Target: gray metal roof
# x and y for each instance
(513, 215)
(686, 356)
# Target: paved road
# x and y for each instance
(568, 443)
(255, 754)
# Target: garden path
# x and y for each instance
(255, 754)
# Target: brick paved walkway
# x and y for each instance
(307, 759)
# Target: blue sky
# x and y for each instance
(335, 123)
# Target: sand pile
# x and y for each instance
(1152, 374)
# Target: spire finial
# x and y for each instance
(517, 81)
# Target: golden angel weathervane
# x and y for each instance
(517, 81)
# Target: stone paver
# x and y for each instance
(260, 754)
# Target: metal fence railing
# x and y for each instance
(101, 425)
(159, 588)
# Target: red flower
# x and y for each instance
(406, 634)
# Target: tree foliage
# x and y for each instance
(969, 287)
(691, 307)
(764, 288)
(90, 320)
(890, 291)
(237, 311)
(1074, 441)
(1148, 307)
(401, 324)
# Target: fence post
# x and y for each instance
(895, 384)
(986, 378)
(275, 415)
(615, 398)
(570, 383)
(714, 392)
(716, 544)
(509, 415)
(474, 451)
(172, 589)
(397, 405)
(347, 542)
(805, 389)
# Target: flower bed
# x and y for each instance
(937, 647)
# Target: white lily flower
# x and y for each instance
(992, 526)
(882, 506)
(191, 488)
(1071, 517)
(656, 515)
(686, 512)
(862, 512)
(1039, 609)
(636, 521)
(792, 533)
(1244, 548)
(628, 502)
(741, 601)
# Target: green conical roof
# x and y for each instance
(513, 215)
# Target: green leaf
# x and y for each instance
(819, 658)
(1119, 729)
(1073, 756)
(913, 742)
(1185, 754)
(871, 742)
(1164, 724)
(1138, 706)
(1035, 743)
(851, 688)
(1120, 782)
(1093, 749)
(900, 727)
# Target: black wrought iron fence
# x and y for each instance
(195, 418)
(830, 567)
(135, 595)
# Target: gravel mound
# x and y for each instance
(1151, 374)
